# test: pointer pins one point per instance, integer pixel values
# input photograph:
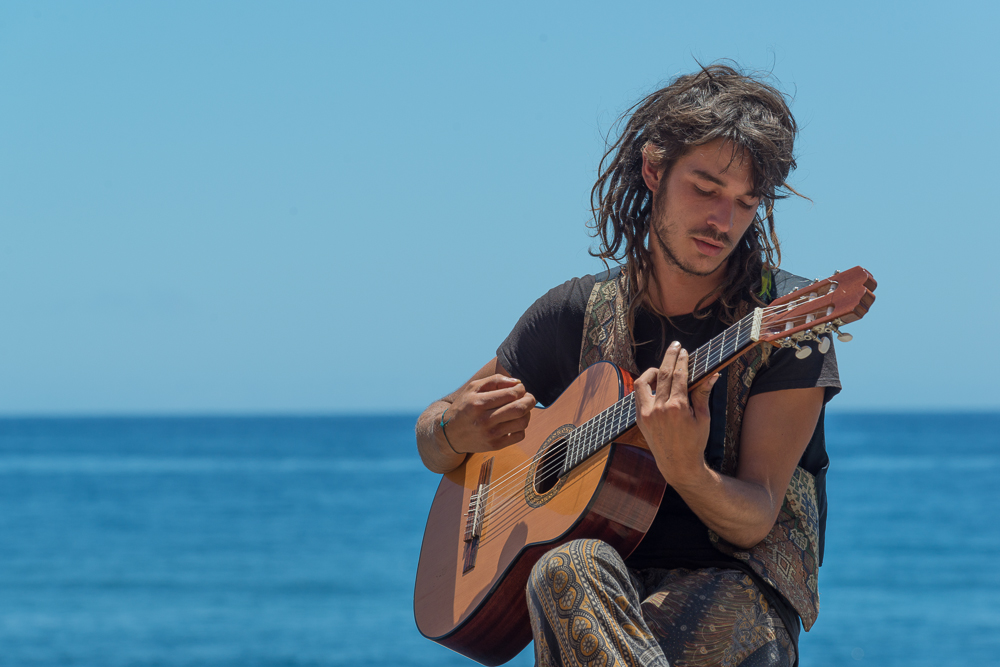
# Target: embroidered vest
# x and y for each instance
(788, 557)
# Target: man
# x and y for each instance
(728, 569)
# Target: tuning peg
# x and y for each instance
(824, 344)
(843, 336)
(802, 352)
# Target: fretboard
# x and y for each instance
(603, 428)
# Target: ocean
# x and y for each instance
(293, 542)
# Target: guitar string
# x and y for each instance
(498, 517)
(566, 454)
(599, 423)
(495, 525)
(737, 343)
(605, 427)
(581, 440)
(500, 496)
(585, 441)
(499, 483)
(594, 434)
(717, 345)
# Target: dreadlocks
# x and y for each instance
(717, 102)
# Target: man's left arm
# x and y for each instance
(777, 427)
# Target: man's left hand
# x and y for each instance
(675, 425)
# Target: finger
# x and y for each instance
(509, 412)
(511, 426)
(507, 440)
(494, 382)
(644, 386)
(700, 396)
(666, 371)
(679, 377)
(490, 400)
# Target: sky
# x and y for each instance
(273, 207)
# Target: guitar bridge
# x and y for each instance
(476, 514)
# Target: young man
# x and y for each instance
(728, 569)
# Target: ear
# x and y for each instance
(651, 174)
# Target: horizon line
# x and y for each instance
(334, 414)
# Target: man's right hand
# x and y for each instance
(487, 414)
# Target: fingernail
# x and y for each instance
(683, 351)
(675, 344)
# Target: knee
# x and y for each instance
(584, 558)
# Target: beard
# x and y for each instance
(661, 230)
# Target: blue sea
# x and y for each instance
(293, 542)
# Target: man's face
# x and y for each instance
(703, 208)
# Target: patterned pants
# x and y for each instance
(588, 609)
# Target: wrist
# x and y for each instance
(441, 434)
(681, 474)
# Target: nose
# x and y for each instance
(723, 214)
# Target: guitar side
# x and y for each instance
(480, 611)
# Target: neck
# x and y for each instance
(674, 291)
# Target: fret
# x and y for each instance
(570, 461)
(581, 450)
(598, 430)
(604, 427)
(708, 357)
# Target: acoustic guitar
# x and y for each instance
(581, 471)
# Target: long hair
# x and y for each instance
(717, 102)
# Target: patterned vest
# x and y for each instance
(787, 558)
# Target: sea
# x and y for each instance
(293, 542)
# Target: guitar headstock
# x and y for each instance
(818, 309)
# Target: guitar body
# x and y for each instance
(470, 593)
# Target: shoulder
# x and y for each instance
(784, 370)
(569, 299)
(785, 282)
(543, 348)
(571, 295)
(561, 309)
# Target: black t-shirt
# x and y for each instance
(543, 351)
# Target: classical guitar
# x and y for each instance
(573, 476)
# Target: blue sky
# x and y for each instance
(336, 207)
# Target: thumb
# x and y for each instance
(699, 397)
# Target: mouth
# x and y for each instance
(709, 247)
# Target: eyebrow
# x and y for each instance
(715, 179)
(708, 177)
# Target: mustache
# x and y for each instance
(715, 235)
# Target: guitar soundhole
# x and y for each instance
(542, 483)
(549, 467)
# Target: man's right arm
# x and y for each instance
(487, 413)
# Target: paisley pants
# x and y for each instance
(588, 609)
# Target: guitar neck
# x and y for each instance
(603, 428)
